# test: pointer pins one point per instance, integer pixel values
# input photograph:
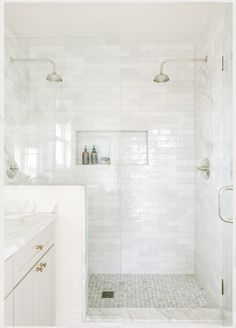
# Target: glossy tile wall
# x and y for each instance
(213, 89)
(16, 99)
(141, 214)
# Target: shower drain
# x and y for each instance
(107, 294)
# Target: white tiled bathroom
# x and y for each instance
(142, 232)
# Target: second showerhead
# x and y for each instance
(161, 77)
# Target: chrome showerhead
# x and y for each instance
(54, 77)
(160, 78)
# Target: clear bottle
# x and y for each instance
(94, 156)
(85, 156)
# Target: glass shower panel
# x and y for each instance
(97, 125)
(227, 170)
(59, 120)
(17, 106)
(103, 244)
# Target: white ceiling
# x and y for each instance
(180, 23)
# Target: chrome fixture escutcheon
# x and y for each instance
(11, 168)
(205, 168)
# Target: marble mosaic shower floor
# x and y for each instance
(146, 291)
(158, 298)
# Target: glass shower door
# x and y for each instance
(227, 282)
(225, 204)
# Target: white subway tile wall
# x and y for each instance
(140, 208)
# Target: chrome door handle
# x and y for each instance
(220, 193)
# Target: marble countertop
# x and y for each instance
(19, 228)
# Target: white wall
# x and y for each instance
(214, 140)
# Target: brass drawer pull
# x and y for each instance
(43, 265)
(39, 269)
(39, 247)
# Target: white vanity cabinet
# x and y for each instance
(46, 290)
(33, 295)
(8, 291)
(25, 302)
(8, 310)
(29, 297)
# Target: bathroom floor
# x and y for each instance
(146, 291)
(150, 297)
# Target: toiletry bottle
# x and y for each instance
(85, 156)
(94, 156)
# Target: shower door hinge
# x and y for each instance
(222, 63)
(222, 287)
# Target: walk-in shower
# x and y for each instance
(52, 77)
(161, 77)
(155, 246)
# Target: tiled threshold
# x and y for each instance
(212, 316)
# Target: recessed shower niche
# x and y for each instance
(114, 147)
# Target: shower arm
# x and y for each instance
(175, 60)
(42, 60)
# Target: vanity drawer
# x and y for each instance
(8, 276)
(30, 253)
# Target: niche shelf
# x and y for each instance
(127, 147)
